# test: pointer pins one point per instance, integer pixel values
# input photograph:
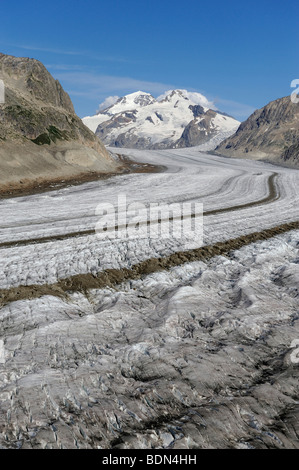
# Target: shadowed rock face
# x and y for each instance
(270, 133)
(291, 155)
(198, 131)
(31, 77)
(40, 134)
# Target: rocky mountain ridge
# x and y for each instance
(41, 137)
(270, 133)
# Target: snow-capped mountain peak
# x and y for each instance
(178, 118)
(195, 98)
(173, 95)
(130, 102)
(141, 98)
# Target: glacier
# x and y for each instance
(196, 356)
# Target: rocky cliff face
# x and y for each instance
(270, 133)
(199, 131)
(41, 137)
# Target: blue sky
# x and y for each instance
(239, 54)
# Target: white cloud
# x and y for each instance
(108, 102)
(90, 84)
(63, 67)
(195, 97)
(238, 110)
(96, 87)
(46, 49)
(68, 52)
(200, 99)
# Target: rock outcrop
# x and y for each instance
(270, 133)
(41, 137)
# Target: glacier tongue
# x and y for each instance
(196, 356)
